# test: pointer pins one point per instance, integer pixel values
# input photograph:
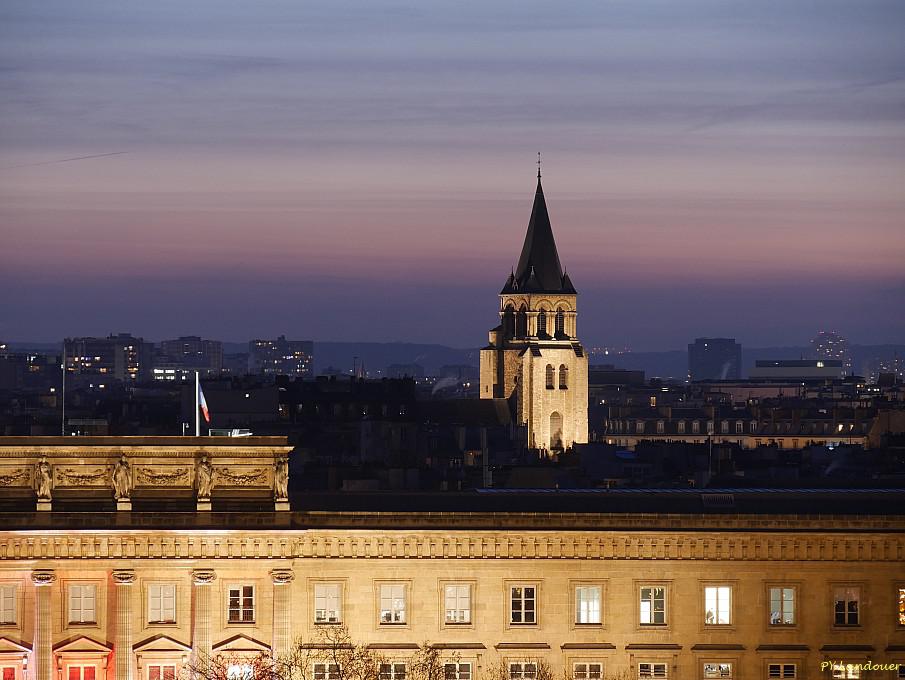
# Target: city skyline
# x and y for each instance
(366, 172)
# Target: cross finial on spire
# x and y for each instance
(538, 164)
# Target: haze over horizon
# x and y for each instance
(365, 172)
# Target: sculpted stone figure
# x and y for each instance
(281, 478)
(204, 478)
(122, 479)
(43, 481)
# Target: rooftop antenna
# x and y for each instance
(538, 164)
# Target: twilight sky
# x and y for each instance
(365, 170)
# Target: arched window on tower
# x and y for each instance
(521, 323)
(509, 322)
(550, 377)
(563, 377)
(560, 324)
(542, 324)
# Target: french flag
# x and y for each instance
(202, 404)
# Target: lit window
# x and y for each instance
(522, 604)
(392, 671)
(716, 605)
(83, 604)
(241, 604)
(457, 603)
(161, 603)
(717, 670)
(651, 670)
(327, 603)
(7, 604)
(847, 671)
(587, 604)
(653, 606)
(392, 603)
(159, 671)
(782, 606)
(587, 671)
(846, 602)
(782, 670)
(82, 672)
(326, 671)
(901, 609)
(457, 671)
(239, 671)
(522, 671)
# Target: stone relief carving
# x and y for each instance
(204, 478)
(43, 578)
(281, 478)
(43, 480)
(72, 477)
(122, 479)
(203, 577)
(241, 478)
(282, 577)
(123, 577)
(11, 479)
(152, 477)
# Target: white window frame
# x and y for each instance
(453, 670)
(588, 610)
(242, 607)
(331, 594)
(848, 670)
(523, 599)
(717, 670)
(587, 670)
(389, 595)
(80, 591)
(159, 592)
(848, 612)
(780, 670)
(781, 612)
(653, 669)
(650, 612)
(8, 592)
(522, 670)
(457, 603)
(715, 597)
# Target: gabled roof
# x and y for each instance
(8, 645)
(240, 643)
(161, 643)
(539, 270)
(82, 644)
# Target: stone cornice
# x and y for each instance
(352, 544)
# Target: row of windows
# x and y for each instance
(457, 602)
(726, 426)
(563, 377)
(463, 670)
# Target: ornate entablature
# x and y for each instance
(45, 470)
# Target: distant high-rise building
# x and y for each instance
(187, 354)
(280, 357)
(714, 359)
(117, 357)
(534, 358)
(831, 345)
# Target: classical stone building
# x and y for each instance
(534, 358)
(672, 584)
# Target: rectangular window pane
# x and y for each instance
(901, 611)
(653, 605)
(716, 605)
(587, 604)
(717, 670)
(846, 602)
(392, 603)
(327, 607)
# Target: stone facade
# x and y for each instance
(123, 629)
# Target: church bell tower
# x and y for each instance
(534, 358)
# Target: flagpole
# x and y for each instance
(63, 395)
(197, 407)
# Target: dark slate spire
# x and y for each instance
(538, 267)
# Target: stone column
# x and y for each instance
(43, 580)
(122, 650)
(281, 611)
(203, 580)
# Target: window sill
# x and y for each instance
(240, 623)
(578, 624)
(521, 625)
(81, 624)
(457, 624)
(392, 623)
(328, 623)
(161, 623)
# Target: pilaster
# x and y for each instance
(123, 578)
(202, 580)
(43, 580)
(282, 578)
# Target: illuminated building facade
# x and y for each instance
(281, 357)
(831, 345)
(178, 359)
(534, 358)
(116, 357)
(130, 573)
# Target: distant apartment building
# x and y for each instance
(798, 369)
(178, 359)
(116, 357)
(831, 345)
(714, 359)
(281, 357)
